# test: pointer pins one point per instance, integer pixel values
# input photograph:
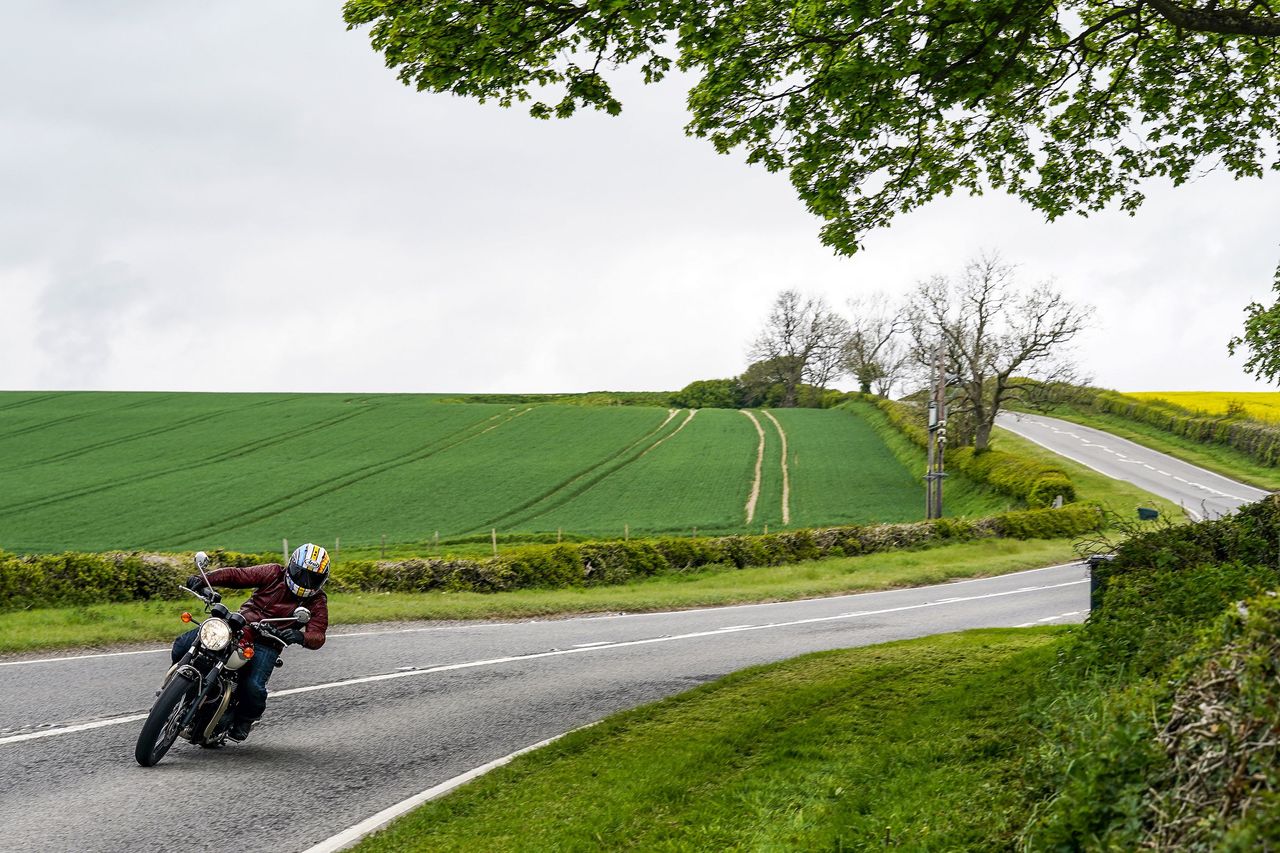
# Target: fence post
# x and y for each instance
(626, 532)
(384, 546)
(284, 545)
(493, 532)
(337, 547)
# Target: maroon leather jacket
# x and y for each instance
(273, 599)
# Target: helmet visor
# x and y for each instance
(308, 579)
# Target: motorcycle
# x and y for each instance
(192, 701)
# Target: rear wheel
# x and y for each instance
(165, 720)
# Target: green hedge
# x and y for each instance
(1038, 483)
(1157, 692)
(73, 579)
(1256, 439)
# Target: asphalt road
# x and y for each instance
(1203, 494)
(381, 714)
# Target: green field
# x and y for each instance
(99, 471)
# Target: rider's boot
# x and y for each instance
(239, 729)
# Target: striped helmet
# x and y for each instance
(307, 571)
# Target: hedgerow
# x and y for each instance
(1161, 733)
(1256, 439)
(1038, 483)
(71, 579)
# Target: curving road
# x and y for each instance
(380, 714)
(1202, 494)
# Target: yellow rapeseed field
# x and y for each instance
(1261, 405)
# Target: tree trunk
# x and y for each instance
(981, 434)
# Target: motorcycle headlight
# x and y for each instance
(215, 634)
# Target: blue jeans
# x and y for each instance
(251, 694)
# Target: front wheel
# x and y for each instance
(164, 722)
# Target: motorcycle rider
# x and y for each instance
(278, 591)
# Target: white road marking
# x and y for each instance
(1261, 493)
(1050, 619)
(453, 667)
(81, 657)
(637, 614)
(589, 645)
(348, 837)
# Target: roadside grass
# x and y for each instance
(1218, 458)
(914, 744)
(1116, 496)
(150, 621)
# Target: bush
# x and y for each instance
(1038, 483)
(1256, 439)
(1161, 734)
(60, 579)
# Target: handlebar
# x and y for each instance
(214, 597)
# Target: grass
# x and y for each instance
(101, 471)
(964, 497)
(1260, 405)
(1116, 496)
(1218, 458)
(149, 621)
(913, 744)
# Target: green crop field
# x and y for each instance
(98, 471)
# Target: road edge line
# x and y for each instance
(353, 835)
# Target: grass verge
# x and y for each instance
(1116, 496)
(914, 744)
(1218, 458)
(62, 627)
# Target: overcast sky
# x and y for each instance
(240, 197)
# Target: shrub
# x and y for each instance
(88, 578)
(1256, 439)
(1038, 483)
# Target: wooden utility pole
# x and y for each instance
(937, 440)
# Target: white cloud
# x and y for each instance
(248, 200)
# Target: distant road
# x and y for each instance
(382, 713)
(1203, 494)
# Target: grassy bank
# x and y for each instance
(914, 744)
(149, 621)
(1219, 458)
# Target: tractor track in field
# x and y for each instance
(754, 497)
(520, 514)
(136, 436)
(670, 435)
(43, 425)
(786, 473)
(18, 404)
(342, 481)
(143, 477)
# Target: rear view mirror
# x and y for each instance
(202, 561)
(302, 615)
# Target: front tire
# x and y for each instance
(164, 722)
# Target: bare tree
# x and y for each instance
(802, 343)
(874, 353)
(993, 338)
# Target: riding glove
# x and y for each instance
(195, 583)
(291, 636)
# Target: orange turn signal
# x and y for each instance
(186, 617)
(248, 652)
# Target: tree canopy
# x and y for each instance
(875, 107)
